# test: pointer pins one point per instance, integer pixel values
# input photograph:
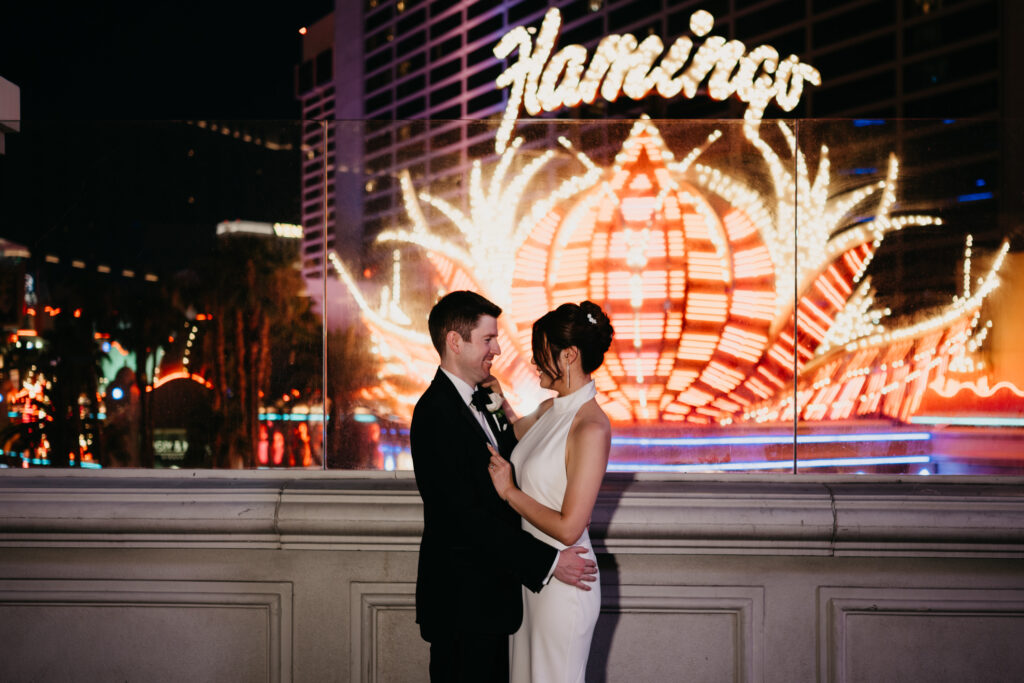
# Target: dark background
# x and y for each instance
(155, 60)
(122, 157)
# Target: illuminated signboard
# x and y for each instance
(720, 316)
(288, 230)
(282, 230)
(170, 445)
(540, 81)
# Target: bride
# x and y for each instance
(559, 462)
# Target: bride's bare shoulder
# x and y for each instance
(592, 417)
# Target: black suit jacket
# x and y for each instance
(474, 554)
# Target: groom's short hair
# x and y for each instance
(459, 311)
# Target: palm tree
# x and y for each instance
(70, 363)
(260, 327)
(144, 315)
(351, 368)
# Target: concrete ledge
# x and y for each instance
(310, 576)
(641, 513)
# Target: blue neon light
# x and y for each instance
(866, 170)
(962, 421)
(766, 439)
(769, 464)
(289, 417)
(975, 197)
(862, 123)
(85, 465)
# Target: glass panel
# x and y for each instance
(682, 231)
(154, 313)
(165, 309)
(908, 308)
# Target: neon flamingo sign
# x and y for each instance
(539, 81)
(720, 315)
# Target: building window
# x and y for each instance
(777, 15)
(305, 76)
(410, 87)
(444, 162)
(950, 67)
(445, 49)
(378, 60)
(484, 29)
(414, 63)
(450, 68)
(454, 112)
(517, 13)
(446, 25)
(324, 67)
(378, 19)
(487, 99)
(864, 19)
(410, 44)
(447, 138)
(378, 102)
(940, 31)
(851, 58)
(633, 12)
(970, 101)
(849, 95)
(483, 77)
(411, 108)
(448, 92)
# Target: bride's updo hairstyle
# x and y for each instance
(584, 326)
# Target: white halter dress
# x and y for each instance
(553, 643)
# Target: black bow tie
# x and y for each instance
(481, 397)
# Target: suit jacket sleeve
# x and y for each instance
(463, 514)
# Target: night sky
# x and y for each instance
(106, 168)
(154, 59)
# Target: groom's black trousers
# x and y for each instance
(468, 658)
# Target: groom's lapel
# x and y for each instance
(507, 441)
(504, 433)
(455, 399)
(506, 438)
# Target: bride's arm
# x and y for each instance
(523, 424)
(519, 424)
(586, 460)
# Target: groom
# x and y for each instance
(474, 554)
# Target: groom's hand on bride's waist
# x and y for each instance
(574, 569)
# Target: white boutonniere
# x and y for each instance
(491, 402)
(494, 403)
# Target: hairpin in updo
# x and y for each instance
(591, 318)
